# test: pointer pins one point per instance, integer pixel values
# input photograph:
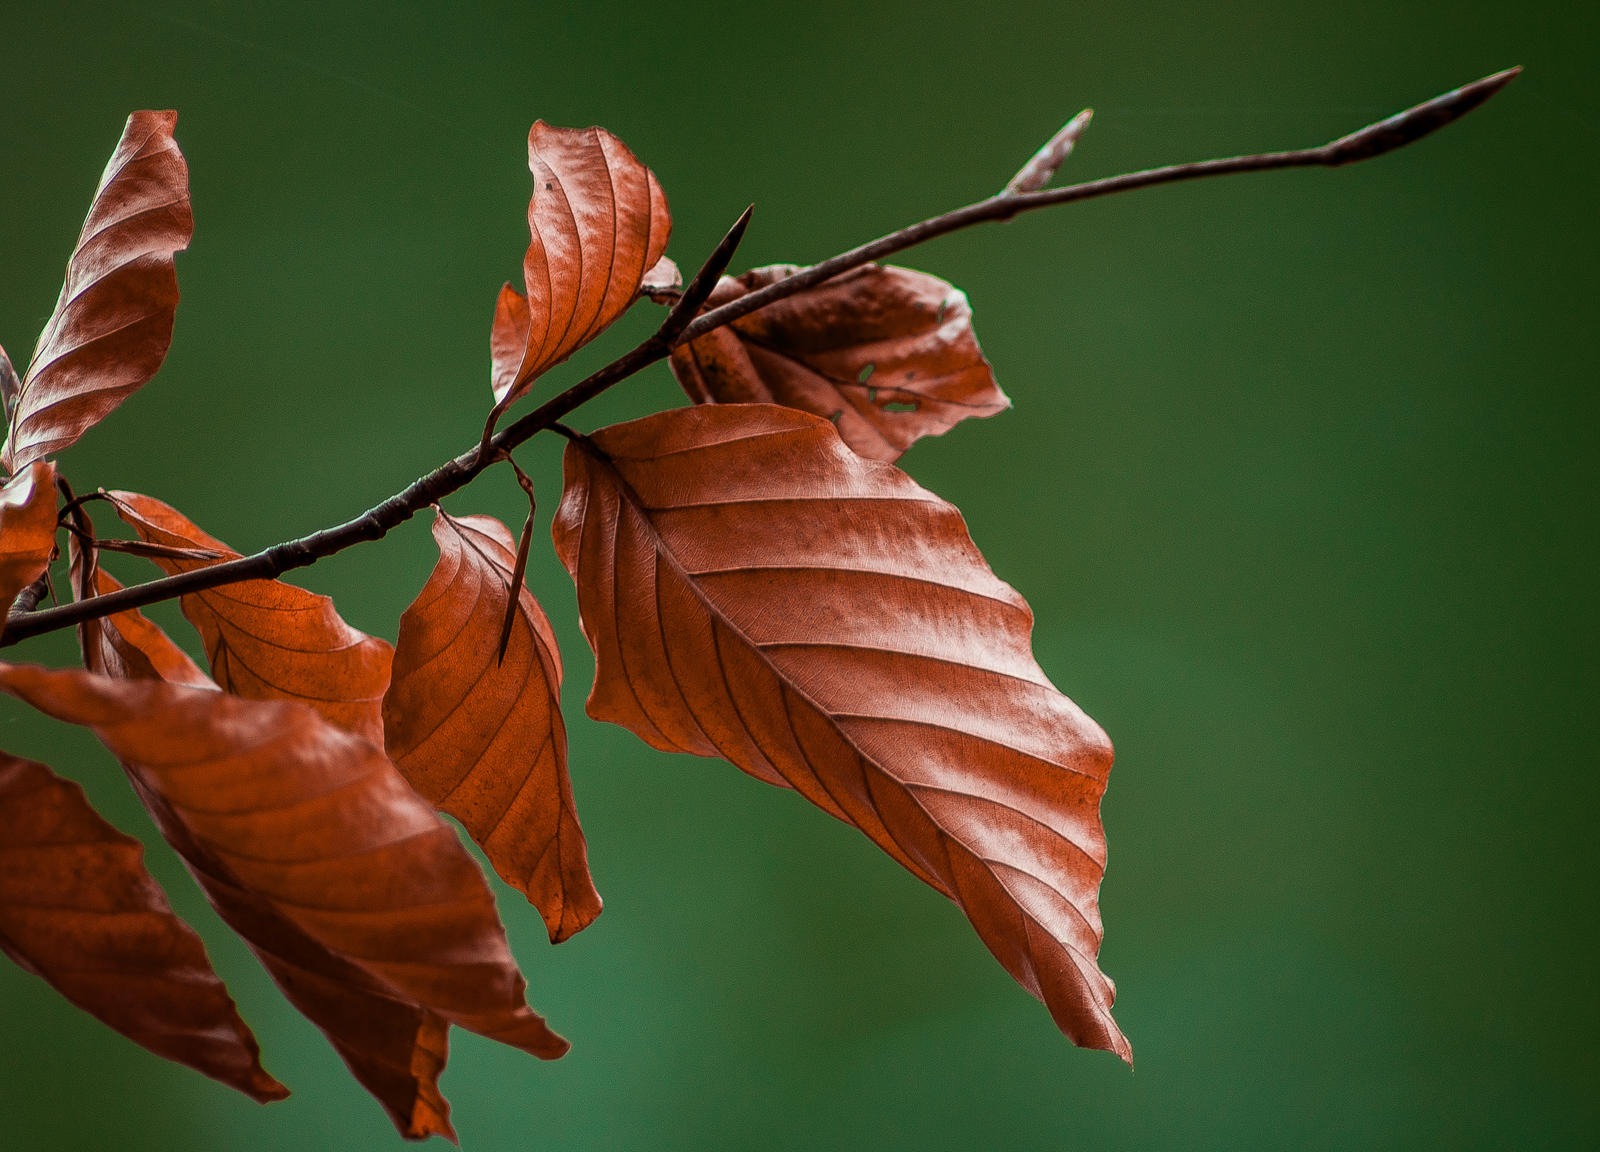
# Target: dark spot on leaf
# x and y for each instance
(548, 186)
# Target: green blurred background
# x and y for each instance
(1300, 483)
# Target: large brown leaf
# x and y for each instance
(78, 908)
(27, 530)
(598, 222)
(886, 353)
(481, 737)
(267, 640)
(113, 322)
(394, 1047)
(755, 590)
(357, 897)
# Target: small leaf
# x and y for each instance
(128, 646)
(112, 325)
(268, 640)
(360, 901)
(754, 590)
(908, 333)
(599, 223)
(27, 530)
(483, 738)
(78, 908)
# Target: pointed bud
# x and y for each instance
(1036, 173)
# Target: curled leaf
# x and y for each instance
(78, 908)
(598, 222)
(482, 738)
(755, 590)
(27, 530)
(112, 325)
(320, 855)
(268, 640)
(886, 353)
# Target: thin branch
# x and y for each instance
(681, 326)
(1374, 140)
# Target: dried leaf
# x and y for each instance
(886, 353)
(598, 222)
(483, 738)
(754, 590)
(128, 646)
(359, 899)
(394, 1048)
(113, 322)
(78, 908)
(27, 530)
(267, 640)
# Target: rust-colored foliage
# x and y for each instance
(754, 590)
(268, 640)
(27, 529)
(393, 1046)
(757, 580)
(127, 646)
(78, 908)
(599, 223)
(482, 737)
(113, 322)
(360, 901)
(886, 353)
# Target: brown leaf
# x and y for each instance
(113, 323)
(268, 640)
(359, 899)
(755, 590)
(599, 222)
(78, 908)
(483, 738)
(27, 530)
(395, 1048)
(128, 646)
(886, 353)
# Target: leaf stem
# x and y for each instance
(681, 325)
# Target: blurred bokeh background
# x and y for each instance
(1300, 481)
